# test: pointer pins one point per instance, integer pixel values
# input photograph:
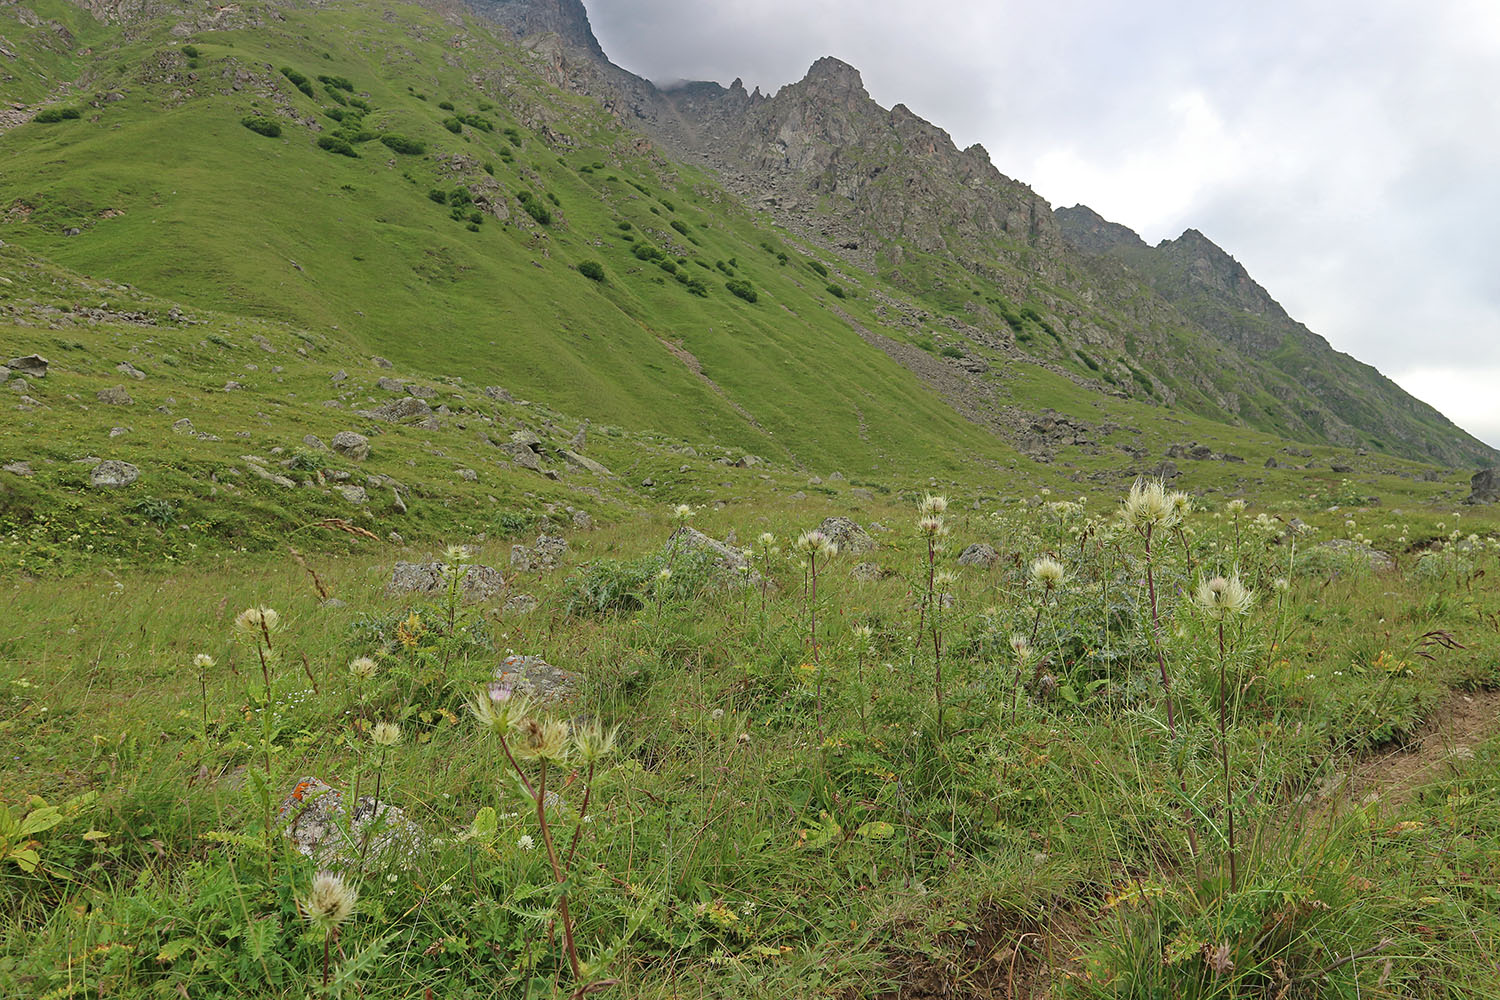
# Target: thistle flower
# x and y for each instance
(933, 505)
(664, 574)
(1047, 573)
(256, 621)
(863, 635)
(1221, 597)
(1236, 506)
(330, 903)
(1182, 504)
(362, 669)
(203, 661)
(542, 740)
(1021, 646)
(385, 734)
(498, 709)
(932, 526)
(1281, 584)
(815, 543)
(456, 555)
(945, 578)
(593, 742)
(681, 513)
(767, 539)
(1148, 505)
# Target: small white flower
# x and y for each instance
(525, 843)
(203, 661)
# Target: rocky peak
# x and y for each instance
(525, 18)
(1087, 230)
(832, 75)
(1209, 267)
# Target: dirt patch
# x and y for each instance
(1002, 957)
(1464, 720)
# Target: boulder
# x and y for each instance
(979, 554)
(543, 554)
(406, 408)
(22, 469)
(316, 819)
(314, 442)
(867, 572)
(1484, 487)
(380, 362)
(420, 391)
(479, 583)
(523, 456)
(112, 474)
(32, 366)
(732, 564)
(128, 369)
(351, 445)
(114, 396)
(353, 494)
(540, 682)
(520, 604)
(848, 536)
(388, 384)
(573, 458)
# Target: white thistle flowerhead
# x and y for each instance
(1021, 646)
(945, 578)
(933, 505)
(329, 903)
(498, 708)
(456, 555)
(767, 539)
(815, 543)
(363, 669)
(863, 636)
(1236, 506)
(385, 734)
(1148, 506)
(1281, 584)
(255, 621)
(664, 574)
(682, 513)
(203, 661)
(1220, 597)
(1047, 573)
(593, 742)
(546, 740)
(1182, 504)
(932, 526)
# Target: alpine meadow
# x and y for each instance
(477, 523)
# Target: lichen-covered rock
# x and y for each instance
(543, 684)
(1484, 487)
(847, 535)
(112, 475)
(520, 604)
(479, 583)
(351, 445)
(114, 396)
(543, 554)
(732, 562)
(979, 554)
(316, 819)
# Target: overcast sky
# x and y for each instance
(1347, 152)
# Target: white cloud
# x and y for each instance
(1469, 397)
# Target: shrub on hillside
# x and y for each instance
(49, 115)
(336, 82)
(261, 126)
(401, 144)
(592, 269)
(334, 144)
(743, 289)
(446, 105)
(837, 291)
(453, 125)
(818, 268)
(299, 81)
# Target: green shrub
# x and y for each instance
(441, 197)
(446, 105)
(539, 212)
(680, 226)
(489, 168)
(50, 115)
(668, 205)
(337, 82)
(592, 269)
(261, 126)
(460, 196)
(401, 144)
(334, 95)
(667, 265)
(743, 289)
(818, 268)
(514, 136)
(476, 217)
(453, 125)
(334, 144)
(837, 291)
(951, 351)
(191, 51)
(335, 113)
(477, 121)
(299, 81)
(623, 226)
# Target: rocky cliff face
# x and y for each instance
(1182, 323)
